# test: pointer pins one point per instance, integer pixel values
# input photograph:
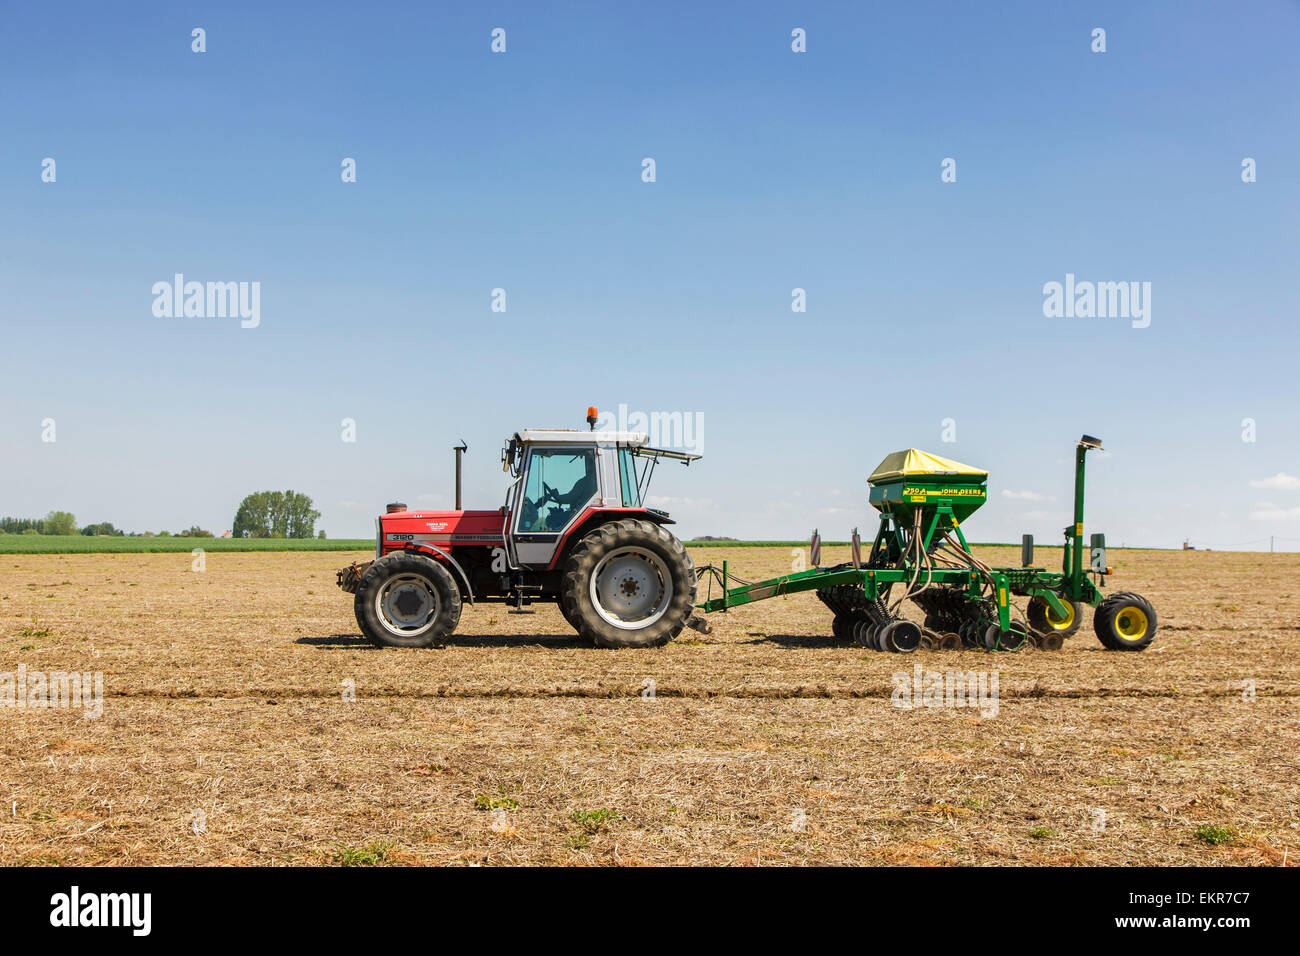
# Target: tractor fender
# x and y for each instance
(594, 516)
(440, 555)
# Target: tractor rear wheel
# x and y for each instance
(628, 584)
(1125, 622)
(565, 614)
(1046, 621)
(407, 600)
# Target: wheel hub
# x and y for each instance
(1131, 623)
(1060, 621)
(407, 603)
(631, 588)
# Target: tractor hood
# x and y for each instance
(442, 528)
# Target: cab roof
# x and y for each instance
(573, 436)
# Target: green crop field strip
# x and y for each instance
(85, 544)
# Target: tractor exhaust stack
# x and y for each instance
(459, 450)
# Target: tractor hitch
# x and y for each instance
(350, 577)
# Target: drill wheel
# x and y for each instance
(901, 637)
(862, 632)
(1009, 640)
(1043, 620)
(1125, 622)
(947, 641)
(1048, 641)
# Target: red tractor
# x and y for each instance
(573, 530)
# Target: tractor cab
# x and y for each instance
(564, 477)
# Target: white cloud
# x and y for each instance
(1269, 512)
(1035, 516)
(1279, 482)
(1025, 495)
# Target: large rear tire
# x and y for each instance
(565, 614)
(407, 600)
(628, 583)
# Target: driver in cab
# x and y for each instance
(579, 494)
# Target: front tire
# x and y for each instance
(407, 600)
(628, 583)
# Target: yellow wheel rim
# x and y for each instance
(1063, 621)
(1131, 623)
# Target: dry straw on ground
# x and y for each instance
(226, 738)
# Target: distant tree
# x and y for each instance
(196, 532)
(321, 534)
(275, 514)
(254, 517)
(104, 527)
(59, 522)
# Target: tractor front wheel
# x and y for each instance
(1125, 622)
(407, 600)
(628, 584)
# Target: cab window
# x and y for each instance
(627, 468)
(560, 482)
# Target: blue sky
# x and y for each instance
(774, 170)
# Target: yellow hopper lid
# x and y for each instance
(913, 461)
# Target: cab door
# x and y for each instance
(558, 484)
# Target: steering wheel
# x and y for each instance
(549, 492)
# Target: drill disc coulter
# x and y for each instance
(920, 554)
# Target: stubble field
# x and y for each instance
(227, 735)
